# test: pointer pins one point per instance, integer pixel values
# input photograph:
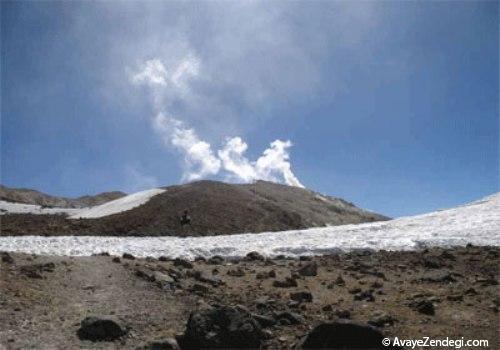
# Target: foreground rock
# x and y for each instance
(343, 335)
(221, 327)
(100, 329)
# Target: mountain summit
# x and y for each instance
(214, 207)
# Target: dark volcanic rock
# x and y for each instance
(309, 270)
(381, 319)
(6, 258)
(252, 256)
(301, 297)
(36, 270)
(100, 329)
(365, 295)
(221, 327)
(183, 263)
(425, 307)
(343, 335)
(287, 283)
(128, 256)
(437, 276)
(215, 260)
(236, 273)
(167, 344)
(291, 318)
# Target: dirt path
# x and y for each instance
(48, 311)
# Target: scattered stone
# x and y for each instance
(36, 270)
(301, 297)
(128, 256)
(287, 283)
(342, 313)
(291, 318)
(339, 281)
(116, 259)
(381, 319)
(366, 295)
(199, 288)
(212, 280)
(309, 270)
(221, 327)
(183, 263)
(167, 344)
(355, 290)
(486, 281)
(455, 297)
(253, 256)
(470, 291)
(425, 307)
(265, 275)
(264, 321)
(447, 255)
(432, 263)
(377, 285)
(163, 280)
(343, 335)
(163, 258)
(215, 260)
(7, 258)
(437, 276)
(100, 329)
(236, 272)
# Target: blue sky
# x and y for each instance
(391, 105)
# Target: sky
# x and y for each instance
(390, 105)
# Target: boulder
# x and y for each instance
(381, 319)
(128, 256)
(425, 307)
(301, 297)
(7, 258)
(215, 260)
(167, 344)
(437, 276)
(221, 327)
(286, 283)
(253, 256)
(309, 270)
(343, 335)
(183, 263)
(291, 318)
(100, 329)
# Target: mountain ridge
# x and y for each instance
(30, 196)
(215, 208)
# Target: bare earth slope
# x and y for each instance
(27, 196)
(215, 208)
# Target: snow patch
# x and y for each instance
(118, 205)
(477, 223)
(113, 207)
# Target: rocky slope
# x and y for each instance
(62, 302)
(215, 208)
(27, 196)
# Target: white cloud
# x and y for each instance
(152, 73)
(199, 159)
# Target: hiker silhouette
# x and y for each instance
(185, 219)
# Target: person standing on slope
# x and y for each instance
(185, 219)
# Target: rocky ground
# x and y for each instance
(105, 302)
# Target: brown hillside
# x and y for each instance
(215, 208)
